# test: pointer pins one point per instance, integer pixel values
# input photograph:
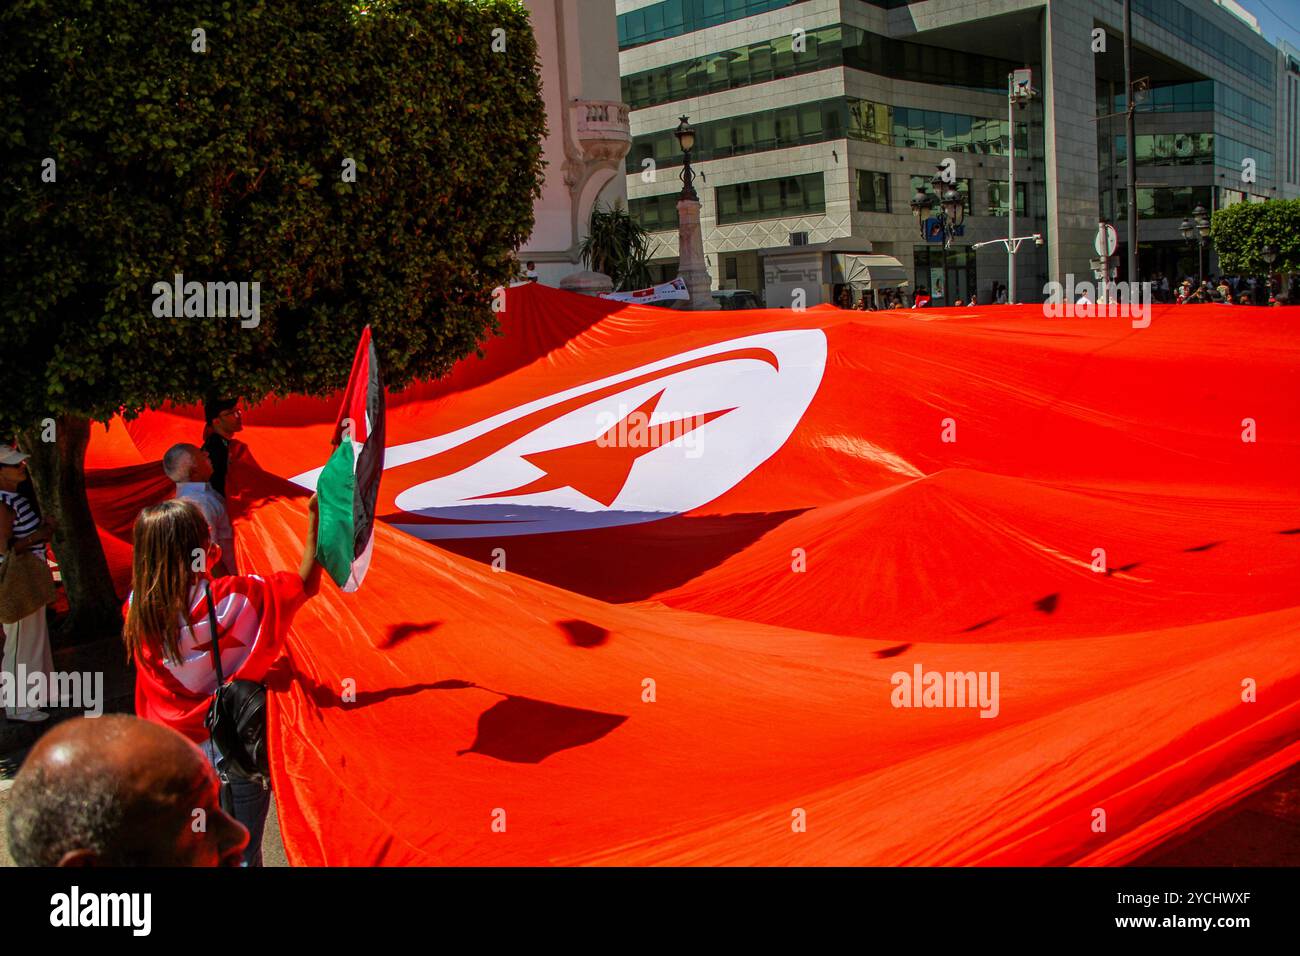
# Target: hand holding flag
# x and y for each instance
(349, 483)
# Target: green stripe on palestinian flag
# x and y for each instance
(349, 484)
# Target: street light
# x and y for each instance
(1196, 229)
(952, 209)
(686, 139)
(1020, 91)
(1269, 255)
(692, 266)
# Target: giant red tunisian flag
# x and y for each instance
(649, 585)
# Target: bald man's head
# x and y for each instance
(119, 791)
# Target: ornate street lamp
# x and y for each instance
(1269, 255)
(686, 139)
(692, 266)
(952, 210)
(1196, 229)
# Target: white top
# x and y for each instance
(213, 506)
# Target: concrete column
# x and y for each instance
(1071, 141)
(692, 265)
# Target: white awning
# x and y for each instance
(871, 272)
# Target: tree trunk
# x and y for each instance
(58, 470)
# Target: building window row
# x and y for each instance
(655, 213)
(825, 48)
(674, 18)
(1245, 109)
(1230, 152)
(1201, 96)
(930, 129)
(771, 199)
(781, 128)
(805, 195)
(1193, 28)
(1167, 149)
(740, 202)
(1293, 130)
(1165, 202)
(828, 120)
(1192, 97)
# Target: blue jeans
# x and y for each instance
(252, 802)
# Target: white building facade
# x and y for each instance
(587, 129)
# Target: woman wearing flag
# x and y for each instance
(168, 632)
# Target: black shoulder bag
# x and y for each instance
(236, 719)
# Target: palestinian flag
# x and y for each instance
(349, 483)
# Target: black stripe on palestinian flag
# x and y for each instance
(349, 484)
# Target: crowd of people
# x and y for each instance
(1225, 290)
(879, 300)
(189, 612)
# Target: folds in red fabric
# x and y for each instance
(774, 587)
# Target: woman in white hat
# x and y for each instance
(27, 642)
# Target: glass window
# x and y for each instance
(962, 132)
(812, 123)
(772, 198)
(933, 129)
(949, 127)
(873, 191)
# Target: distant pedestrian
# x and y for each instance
(530, 271)
(26, 641)
(223, 419)
(191, 468)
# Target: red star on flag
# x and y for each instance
(600, 468)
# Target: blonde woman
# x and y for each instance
(168, 634)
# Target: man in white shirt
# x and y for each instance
(190, 467)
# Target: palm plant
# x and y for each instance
(619, 246)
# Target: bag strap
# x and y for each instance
(212, 627)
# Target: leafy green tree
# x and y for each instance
(1241, 231)
(619, 246)
(363, 162)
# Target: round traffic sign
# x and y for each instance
(1107, 240)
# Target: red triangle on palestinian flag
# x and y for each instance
(349, 483)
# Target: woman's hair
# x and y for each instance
(166, 538)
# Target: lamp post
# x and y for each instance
(1020, 91)
(1269, 255)
(686, 140)
(1196, 229)
(691, 263)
